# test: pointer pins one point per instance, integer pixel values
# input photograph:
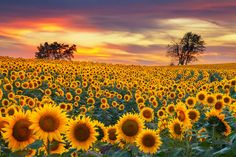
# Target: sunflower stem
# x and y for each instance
(213, 134)
(48, 147)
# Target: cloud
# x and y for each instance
(131, 31)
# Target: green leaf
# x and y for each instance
(36, 145)
(227, 151)
(121, 153)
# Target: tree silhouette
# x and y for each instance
(55, 51)
(187, 49)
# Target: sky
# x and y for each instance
(118, 31)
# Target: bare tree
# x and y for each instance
(187, 49)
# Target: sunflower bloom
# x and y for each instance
(17, 132)
(48, 122)
(148, 141)
(81, 133)
(129, 126)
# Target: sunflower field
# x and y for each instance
(62, 108)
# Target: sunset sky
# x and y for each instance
(118, 31)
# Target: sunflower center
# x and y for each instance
(130, 128)
(210, 100)
(8, 87)
(148, 141)
(218, 105)
(81, 132)
(171, 109)
(226, 100)
(11, 112)
(21, 131)
(112, 134)
(177, 129)
(233, 83)
(192, 115)
(48, 123)
(201, 97)
(181, 116)
(161, 113)
(190, 102)
(147, 114)
(140, 100)
(219, 97)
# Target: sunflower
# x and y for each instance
(148, 141)
(129, 126)
(193, 115)
(172, 95)
(10, 111)
(121, 107)
(77, 98)
(147, 114)
(219, 96)
(140, 100)
(112, 134)
(182, 114)
(62, 106)
(83, 109)
(31, 103)
(8, 87)
(48, 122)
(201, 96)
(69, 96)
(3, 110)
(176, 129)
(210, 99)
(101, 130)
(81, 132)
(11, 96)
(48, 92)
(171, 108)
(152, 98)
(190, 101)
(127, 97)
(227, 100)
(69, 107)
(154, 103)
(90, 101)
(17, 132)
(76, 104)
(114, 104)
(217, 122)
(219, 105)
(103, 106)
(233, 82)
(160, 113)
(25, 85)
(5, 102)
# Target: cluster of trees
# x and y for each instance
(55, 51)
(184, 51)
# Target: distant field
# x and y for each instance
(95, 109)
